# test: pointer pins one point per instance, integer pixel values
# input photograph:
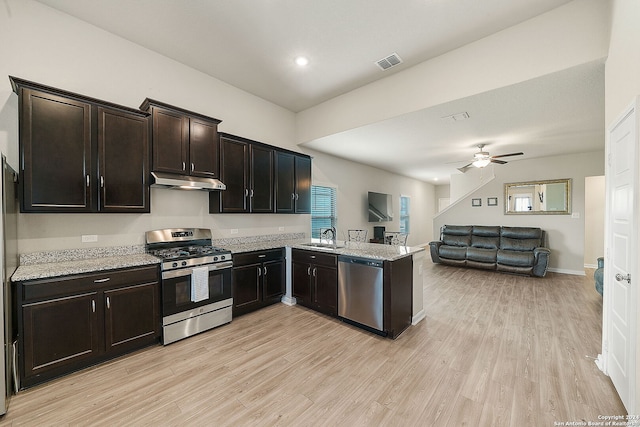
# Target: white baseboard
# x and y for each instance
(563, 271)
(418, 317)
(288, 301)
(591, 266)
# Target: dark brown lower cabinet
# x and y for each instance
(315, 280)
(69, 323)
(258, 280)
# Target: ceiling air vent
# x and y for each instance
(388, 62)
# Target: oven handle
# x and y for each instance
(187, 271)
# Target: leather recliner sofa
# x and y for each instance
(518, 250)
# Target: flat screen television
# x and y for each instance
(380, 207)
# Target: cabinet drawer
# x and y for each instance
(258, 257)
(313, 257)
(37, 290)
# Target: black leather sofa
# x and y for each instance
(518, 250)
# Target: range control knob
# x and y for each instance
(175, 264)
(184, 263)
(215, 258)
(222, 257)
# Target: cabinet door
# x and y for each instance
(303, 184)
(301, 277)
(234, 167)
(273, 281)
(325, 289)
(203, 148)
(285, 182)
(262, 166)
(170, 141)
(56, 154)
(123, 151)
(60, 335)
(131, 317)
(246, 288)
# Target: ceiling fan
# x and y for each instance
(482, 159)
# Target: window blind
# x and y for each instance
(323, 209)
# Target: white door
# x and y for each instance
(620, 280)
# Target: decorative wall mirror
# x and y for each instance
(552, 197)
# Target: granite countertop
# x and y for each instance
(357, 249)
(44, 265)
(50, 266)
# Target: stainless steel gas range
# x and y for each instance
(196, 281)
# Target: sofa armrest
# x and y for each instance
(540, 261)
(434, 248)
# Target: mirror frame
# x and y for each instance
(567, 189)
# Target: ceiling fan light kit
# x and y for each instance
(482, 158)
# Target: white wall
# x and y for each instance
(565, 234)
(622, 85)
(354, 181)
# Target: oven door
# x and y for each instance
(176, 288)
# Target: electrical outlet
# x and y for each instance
(89, 238)
(234, 231)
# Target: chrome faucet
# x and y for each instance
(333, 232)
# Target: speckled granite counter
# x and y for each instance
(44, 265)
(363, 250)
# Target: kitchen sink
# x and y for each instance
(323, 245)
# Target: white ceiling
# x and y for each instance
(251, 44)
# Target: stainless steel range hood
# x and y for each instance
(185, 182)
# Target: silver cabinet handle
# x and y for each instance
(262, 256)
(314, 271)
(259, 272)
(308, 271)
(265, 271)
(293, 196)
(296, 196)
(246, 192)
(184, 166)
(88, 180)
(251, 194)
(101, 181)
(192, 167)
(620, 277)
(106, 279)
(108, 303)
(93, 305)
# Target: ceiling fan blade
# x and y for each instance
(500, 162)
(507, 155)
(465, 168)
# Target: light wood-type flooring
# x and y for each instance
(494, 350)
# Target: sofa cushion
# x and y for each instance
(515, 258)
(485, 237)
(453, 252)
(520, 238)
(456, 235)
(486, 231)
(482, 254)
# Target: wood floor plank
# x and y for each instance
(494, 350)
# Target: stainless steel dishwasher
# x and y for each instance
(360, 296)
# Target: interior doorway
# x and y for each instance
(594, 219)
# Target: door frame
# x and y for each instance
(603, 360)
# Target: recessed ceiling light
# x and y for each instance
(302, 61)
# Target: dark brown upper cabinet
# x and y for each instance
(293, 183)
(246, 168)
(79, 154)
(184, 142)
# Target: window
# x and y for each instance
(323, 209)
(404, 214)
